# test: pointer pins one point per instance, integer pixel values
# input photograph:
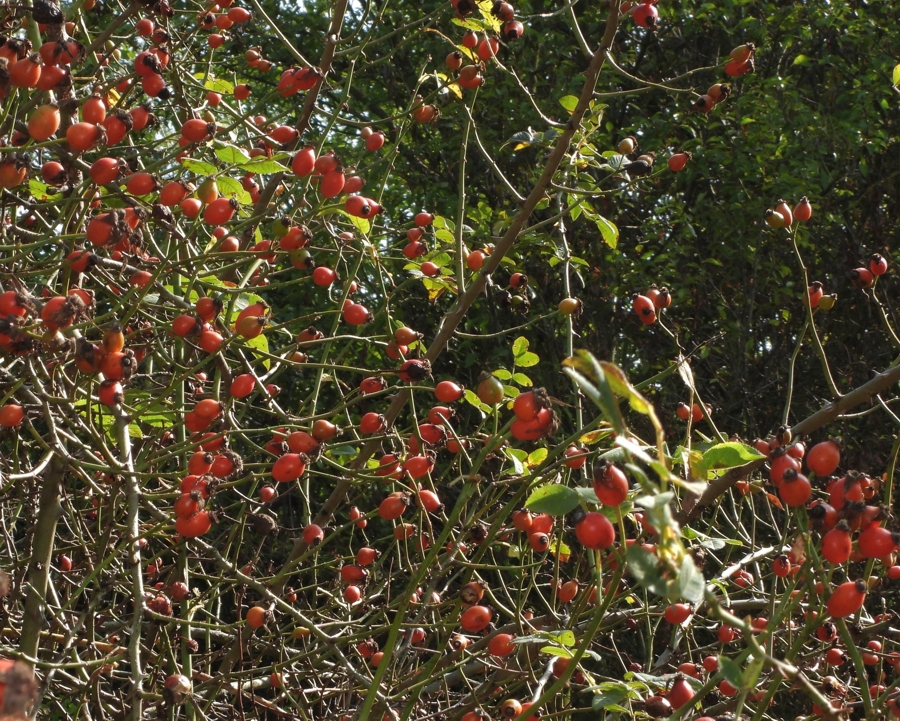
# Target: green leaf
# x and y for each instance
(565, 638)
(536, 457)
(217, 85)
(607, 228)
(441, 259)
(612, 512)
(198, 166)
(502, 374)
(262, 166)
(40, 190)
(487, 15)
(896, 78)
(232, 156)
(527, 360)
(553, 499)
(731, 671)
(445, 236)
(517, 457)
(643, 565)
(362, 225)
(557, 651)
(601, 394)
(343, 450)
(589, 496)
(569, 102)
(260, 343)
(519, 347)
(659, 510)
(802, 60)
(229, 187)
(560, 550)
(728, 455)
(441, 221)
(474, 400)
(611, 698)
(521, 378)
(691, 584)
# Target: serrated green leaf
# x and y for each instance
(198, 166)
(569, 102)
(896, 75)
(554, 499)
(231, 188)
(441, 259)
(522, 379)
(502, 374)
(217, 85)
(527, 360)
(485, 7)
(362, 225)
(723, 456)
(441, 221)
(263, 166)
(445, 236)
(232, 156)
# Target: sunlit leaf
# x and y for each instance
(198, 166)
(569, 102)
(232, 156)
(554, 499)
(231, 188)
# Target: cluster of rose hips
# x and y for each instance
(863, 277)
(653, 300)
(470, 76)
(783, 217)
(845, 511)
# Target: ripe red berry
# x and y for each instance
(595, 531)
(824, 458)
(677, 613)
(610, 483)
(476, 618)
(448, 391)
(678, 161)
(803, 210)
(313, 534)
(646, 15)
(847, 599)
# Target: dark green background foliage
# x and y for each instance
(817, 119)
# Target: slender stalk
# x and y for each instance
(41, 557)
(820, 350)
(790, 386)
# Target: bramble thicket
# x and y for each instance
(449, 360)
